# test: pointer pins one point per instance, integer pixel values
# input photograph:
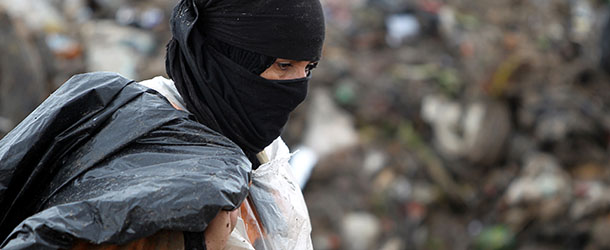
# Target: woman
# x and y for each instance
(107, 161)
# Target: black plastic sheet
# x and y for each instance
(109, 161)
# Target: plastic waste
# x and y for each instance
(275, 216)
(106, 160)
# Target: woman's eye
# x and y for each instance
(284, 65)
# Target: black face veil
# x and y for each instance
(220, 47)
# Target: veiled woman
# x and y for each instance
(106, 161)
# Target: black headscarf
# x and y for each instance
(220, 47)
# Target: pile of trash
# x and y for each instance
(430, 124)
(44, 43)
(480, 125)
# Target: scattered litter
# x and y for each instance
(400, 28)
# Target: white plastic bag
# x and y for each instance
(274, 217)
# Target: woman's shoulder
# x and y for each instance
(167, 89)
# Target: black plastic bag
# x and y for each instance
(109, 161)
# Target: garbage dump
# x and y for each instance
(430, 124)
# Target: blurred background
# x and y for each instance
(430, 124)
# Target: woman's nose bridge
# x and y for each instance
(296, 74)
(301, 73)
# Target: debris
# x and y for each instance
(600, 232)
(126, 15)
(393, 244)
(605, 46)
(542, 179)
(400, 28)
(5, 125)
(496, 237)
(329, 128)
(374, 161)
(64, 46)
(22, 75)
(39, 16)
(477, 131)
(303, 162)
(151, 18)
(582, 20)
(360, 231)
(433, 164)
(115, 48)
(591, 197)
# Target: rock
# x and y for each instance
(360, 231)
(329, 129)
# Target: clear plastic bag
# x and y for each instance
(274, 217)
